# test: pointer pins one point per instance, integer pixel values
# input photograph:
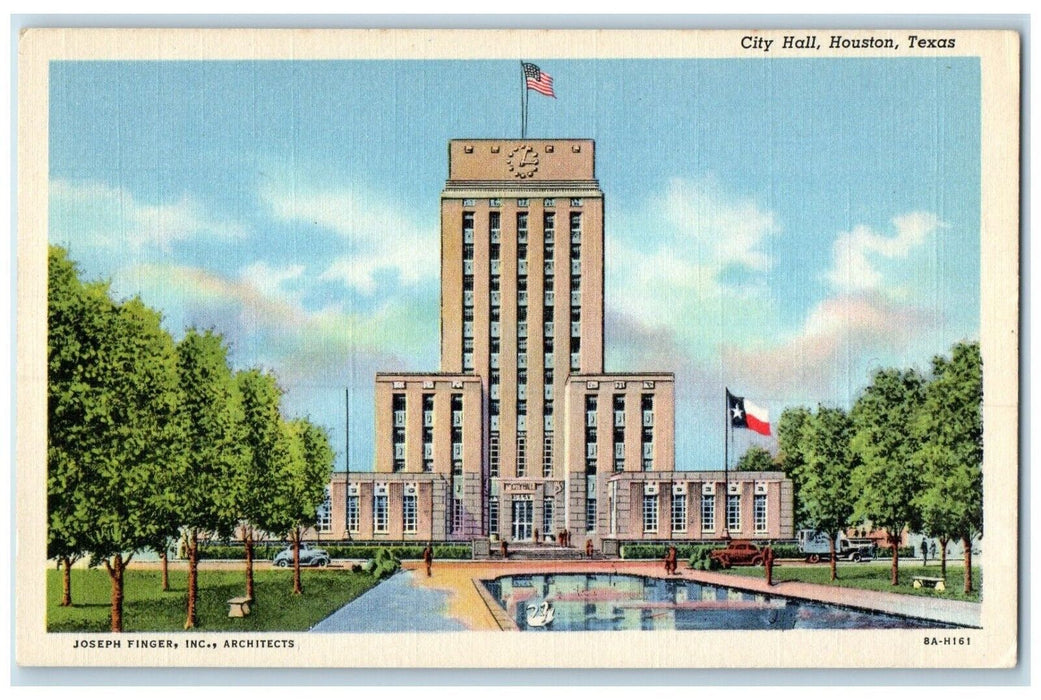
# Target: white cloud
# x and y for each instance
(380, 237)
(825, 356)
(112, 218)
(666, 262)
(270, 280)
(856, 253)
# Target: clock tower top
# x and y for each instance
(520, 161)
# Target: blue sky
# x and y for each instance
(781, 227)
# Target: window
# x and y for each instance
(650, 513)
(353, 514)
(549, 203)
(576, 202)
(408, 513)
(547, 453)
(576, 227)
(522, 454)
(759, 507)
(324, 515)
(679, 512)
(734, 513)
(619, 449)
(457, 434)
(398, 435)
(590, 515)
(708, 512)
(522, 203)
(457, 515)
(379, 513)
(493, 454)
(493, 516)
(647, 433)
(547, 516)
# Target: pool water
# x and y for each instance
(584, 602)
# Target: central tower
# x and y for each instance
(522, 264)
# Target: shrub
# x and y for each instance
(884, 552)
(383, 564)
(700, 559)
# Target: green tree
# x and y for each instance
(74, 313)
(888, 482)
(790, 455)
(755, 459)
(255, 490)
(216, 447)
(301, 485)
(116, 438)
(949, 432)
(825, 473)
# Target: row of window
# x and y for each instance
(548, 202)
(381, 512)
(409, 510)
(708, 513)
(398, 430)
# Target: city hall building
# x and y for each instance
(522, 433)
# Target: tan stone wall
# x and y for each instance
(558, 159)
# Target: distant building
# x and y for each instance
(522, 430)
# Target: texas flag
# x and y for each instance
(745, 414)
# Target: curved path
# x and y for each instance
(395, 605)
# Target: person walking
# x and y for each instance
(504, 548)
(671, 560)
(768, 564)
(428, 558)
(589, 549)
(925, 552)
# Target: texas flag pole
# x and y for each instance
(742, 413)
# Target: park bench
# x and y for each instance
(932, 581)
(239, 607)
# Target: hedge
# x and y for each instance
(657, 550)
(887, 552)
(338, 551)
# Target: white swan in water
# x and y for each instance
(541, 615)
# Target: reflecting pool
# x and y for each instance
(627, 602)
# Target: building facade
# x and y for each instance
(522, 434)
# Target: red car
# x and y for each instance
(738, 553)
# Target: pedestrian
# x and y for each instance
(505, 549)
(428, 558)
(671, 559)
(932, 550)
(589, 549)
(536, 535)
(768, 564)
(925, 553)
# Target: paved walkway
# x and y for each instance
(396, 605)
(466, 604)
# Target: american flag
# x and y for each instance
(538, 80)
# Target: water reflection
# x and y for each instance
(626, 602)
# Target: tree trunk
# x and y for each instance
(966, 542)
(115, 573)
(193, 579)
(248, 541)
(165, 565)
(66, 582)
(943, 557)
(894, 542)
(831, 550)
(297, 588)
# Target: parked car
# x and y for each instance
(309, 556)
(738, 553)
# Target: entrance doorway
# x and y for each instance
(523, 515)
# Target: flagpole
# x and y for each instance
(524, 102)
(727, 431)
(524, 84)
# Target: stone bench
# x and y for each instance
(931, 581)
(239, 607)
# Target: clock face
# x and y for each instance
(523, 161)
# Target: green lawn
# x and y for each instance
(146, 608)
(875, 577)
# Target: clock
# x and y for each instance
(523, 161)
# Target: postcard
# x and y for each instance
(514, 348)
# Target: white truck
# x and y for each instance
(814, 544)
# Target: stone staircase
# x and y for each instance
(543, 553)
